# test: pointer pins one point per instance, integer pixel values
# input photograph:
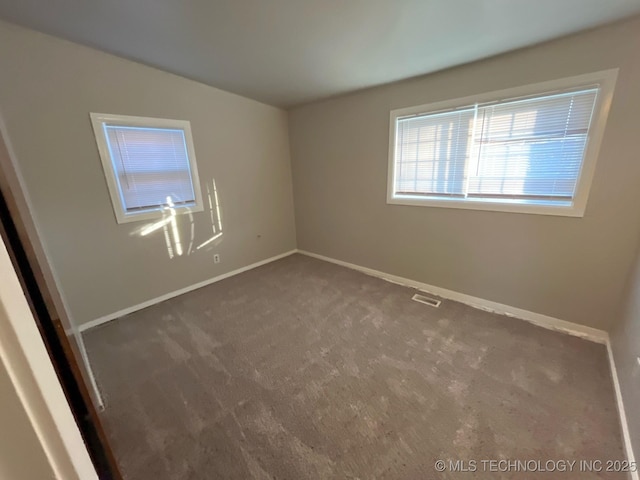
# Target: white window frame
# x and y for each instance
(605, 79)
(99, 120)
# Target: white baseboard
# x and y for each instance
(626, 436)
(589, 333)
(126, 311)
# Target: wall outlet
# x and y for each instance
(638, 359)
(216, 258)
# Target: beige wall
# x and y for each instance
(47, 89)
(625, 345)
(21, 454)
(570, 268)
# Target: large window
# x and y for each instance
(149, 165)
(531, 149)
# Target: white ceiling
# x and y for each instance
(287, 52)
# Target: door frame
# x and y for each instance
(25, 357)
(16, 195)
(39, 287)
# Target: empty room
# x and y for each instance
(319, 239)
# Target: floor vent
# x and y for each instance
(426, 300)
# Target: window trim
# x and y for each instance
(606, 79)
(98, 120)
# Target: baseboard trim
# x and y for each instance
(126, 311)
(624, 424)
(545, 321)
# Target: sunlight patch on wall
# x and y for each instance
(176, 227)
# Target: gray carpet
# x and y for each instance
(302, 369)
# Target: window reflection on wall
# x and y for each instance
(182, 235)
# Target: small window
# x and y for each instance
(149, 164)
(530, 150)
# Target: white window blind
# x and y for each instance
(432, 153)
(151, 166)
(523, 150)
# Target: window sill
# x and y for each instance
(498, 205)
(155, 214)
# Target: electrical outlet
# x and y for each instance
(638, 359)
(216, 258)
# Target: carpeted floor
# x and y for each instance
(302, 369)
